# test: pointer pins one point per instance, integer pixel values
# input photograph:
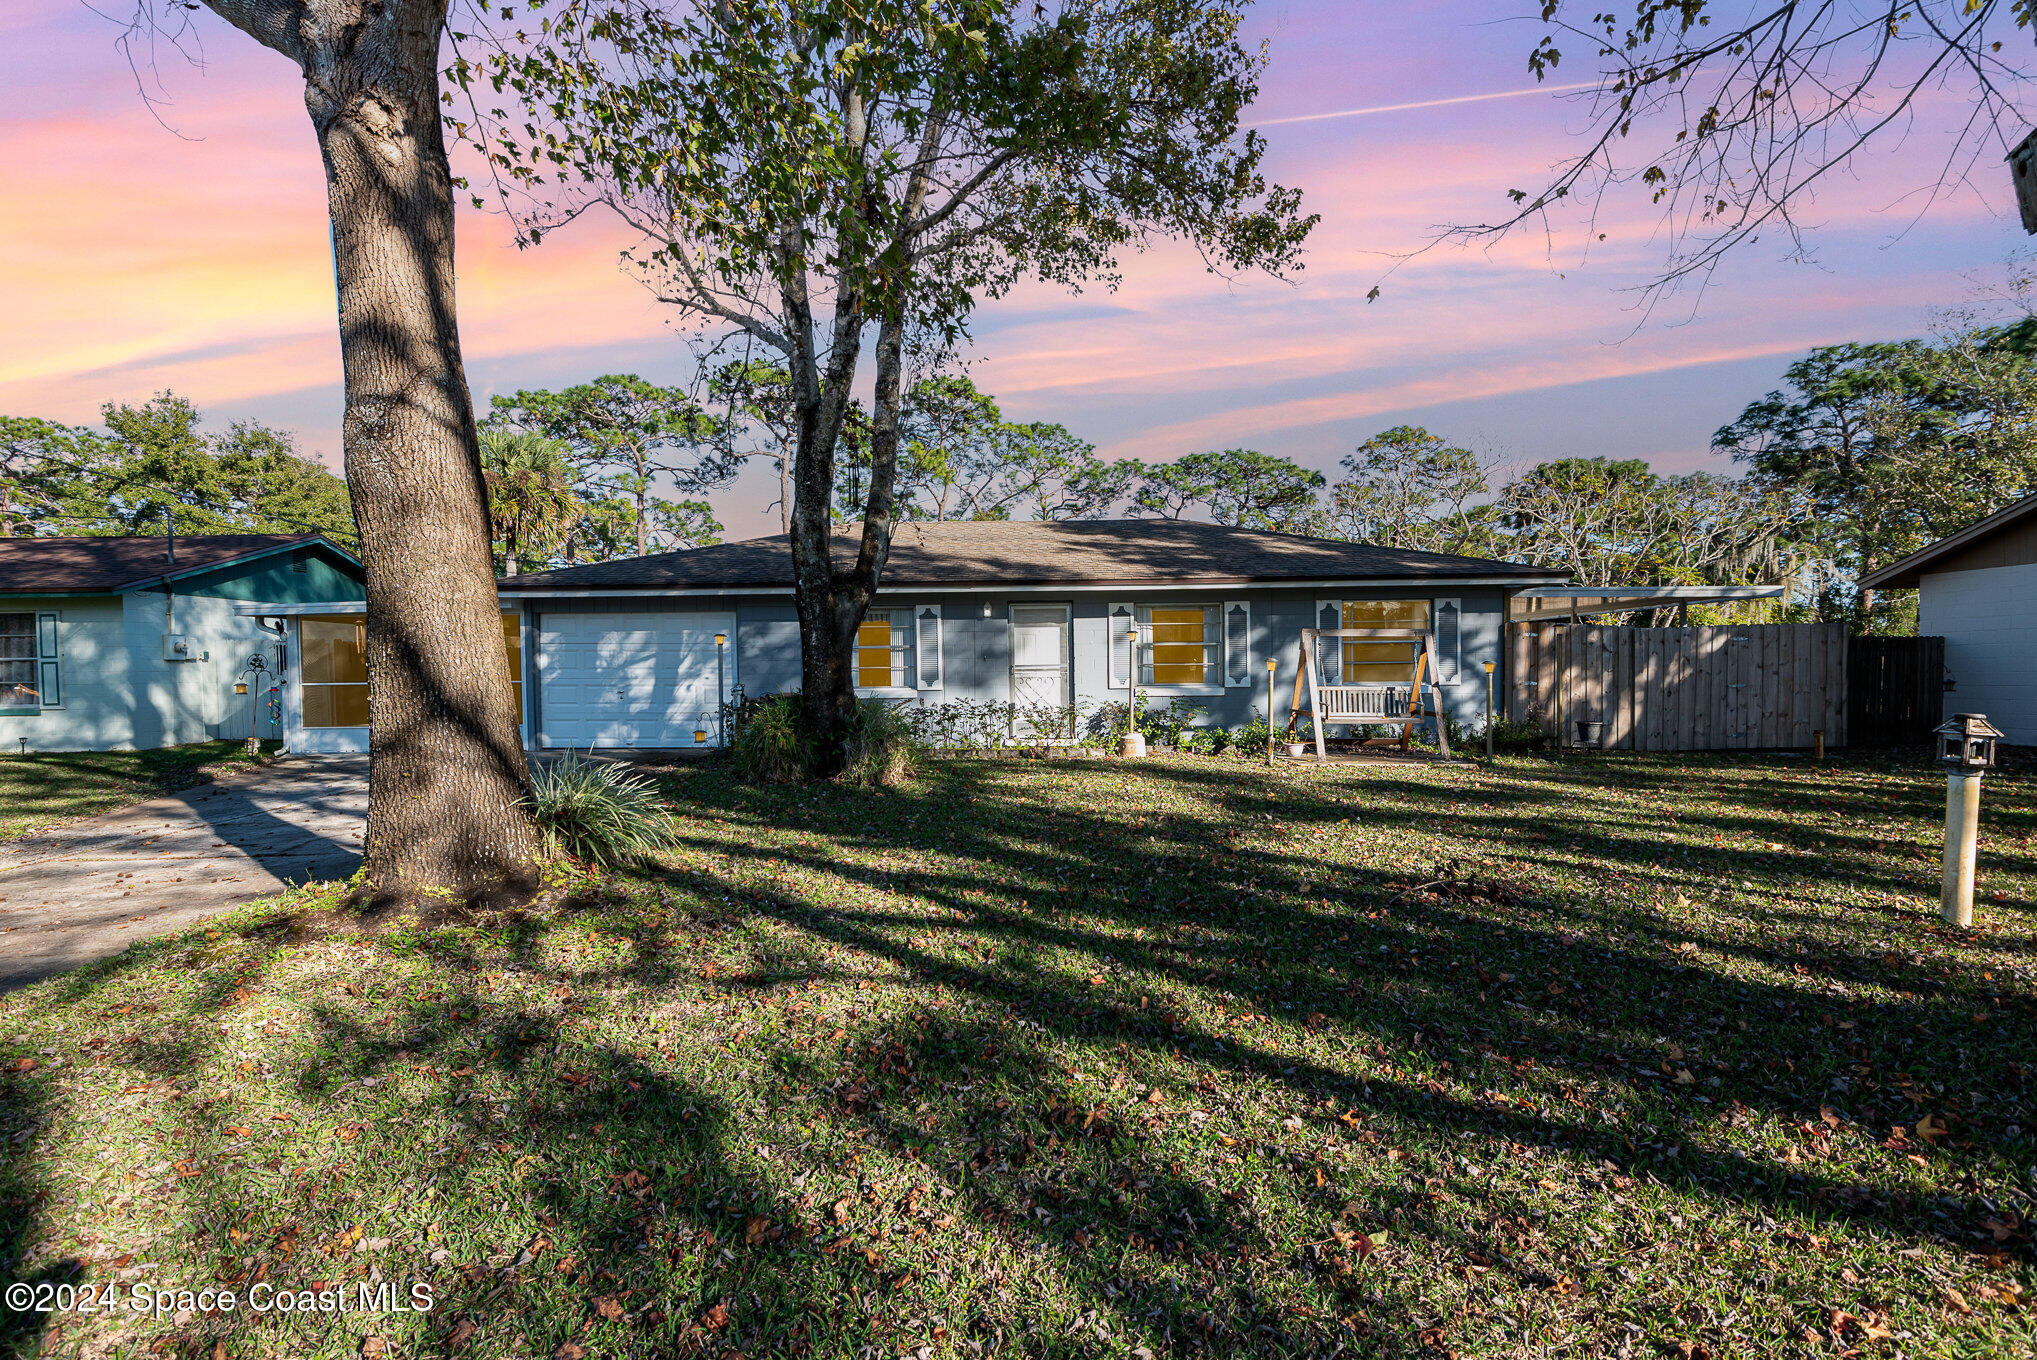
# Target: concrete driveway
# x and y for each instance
(90, 889)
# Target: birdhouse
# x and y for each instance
(2023, 171)
(1966, 742)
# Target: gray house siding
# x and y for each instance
(1990, 632)
(976, 643)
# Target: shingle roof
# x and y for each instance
(1006, 553)
(34, 566)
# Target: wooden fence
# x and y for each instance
(1682, 689)
(1895, 688)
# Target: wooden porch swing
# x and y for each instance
(1374, 704)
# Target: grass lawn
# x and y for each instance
(46, 787)
(1606, 1057)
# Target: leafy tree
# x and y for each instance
(448, 776)
(951, 456)
(1060, 477)
(49, 477)
(1616, 522)
(1408, 488)
(626, 438)
(811, 176)
(758, 419)
(530, 496)
(1237, 486)
(1890, 446)
(156, 466)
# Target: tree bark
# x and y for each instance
(447, 772)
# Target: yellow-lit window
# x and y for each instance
(1381, 662)
(335, 670)
(1179, 645)
(512, 641)
(880, 650)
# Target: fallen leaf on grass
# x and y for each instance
(608, 1306)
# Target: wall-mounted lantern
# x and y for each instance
(2023, 174)
(1966, 748)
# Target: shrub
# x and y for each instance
(1250, 739)
(598, 811)
(882, 751)
(772, 745)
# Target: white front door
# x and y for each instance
(1039, 665)
(632, 680)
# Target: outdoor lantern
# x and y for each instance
(721, 639)
(1966, 748)
(240, 687)
(1966, 743)
(2023, 171)
(699, 735)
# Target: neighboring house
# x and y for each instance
(133, 643)
(625, 654)
(1977, 589)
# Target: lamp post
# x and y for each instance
(1488, 713)
(1270, 663)
(1966, 748)
(721, 701)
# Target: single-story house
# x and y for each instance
(134, 643)
(640, 653)
(1977, 589)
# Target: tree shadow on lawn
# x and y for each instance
(1581, 1007)
(766, 1163)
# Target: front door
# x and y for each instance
(1039, 672)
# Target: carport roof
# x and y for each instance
(996, 554)
(86, 565)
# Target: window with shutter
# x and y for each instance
(1238, 643)
(927, 645)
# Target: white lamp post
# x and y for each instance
(1966, 748)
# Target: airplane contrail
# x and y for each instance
(1427, 103)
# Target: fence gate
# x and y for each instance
(1895, 688)
(1682, 689)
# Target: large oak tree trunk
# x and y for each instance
(447, 772)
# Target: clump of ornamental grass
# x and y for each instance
(597, 811)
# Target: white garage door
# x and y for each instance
(631, 679)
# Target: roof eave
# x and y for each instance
(1504, 581)
(1907, 573)
(146, 582)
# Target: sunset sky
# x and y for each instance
(182, 243)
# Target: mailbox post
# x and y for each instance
(1966, 748)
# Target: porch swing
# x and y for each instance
(1382, 703)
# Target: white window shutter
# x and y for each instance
(1121, 618)
(927, 640)
(1329, 651)
(1237, 643)
(1449, 639)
